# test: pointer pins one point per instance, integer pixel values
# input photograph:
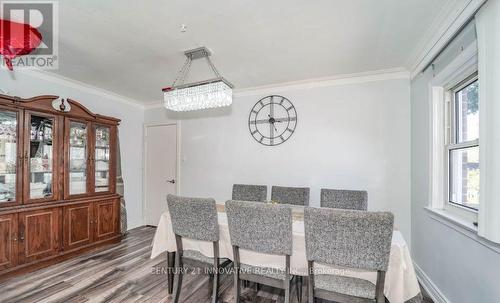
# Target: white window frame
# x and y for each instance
(441, 98)
(451, 144)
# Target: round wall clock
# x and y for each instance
(272, 120)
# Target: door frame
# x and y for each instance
(145, 159)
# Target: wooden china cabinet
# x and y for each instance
(57, 182)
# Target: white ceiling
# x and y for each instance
(134, 48)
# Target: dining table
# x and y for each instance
(401, 284)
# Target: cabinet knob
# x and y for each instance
(14, 239)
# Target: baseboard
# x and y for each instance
(429, 286)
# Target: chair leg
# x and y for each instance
(170, 271)
(215, 291)
(211, 283)
(255, 289)
(380, 287)
(310, 282)
(287, 291)
(236, 269)
(287, 279)
(299, 289)
(237, 285)
(178, 278)
(310, 292)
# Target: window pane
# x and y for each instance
(78, 158)
(464, 176)
(467, 113)
(41, 157)
(8, 157)
(102, 146)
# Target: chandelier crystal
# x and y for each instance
(211, 93)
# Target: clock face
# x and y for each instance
(272, 120)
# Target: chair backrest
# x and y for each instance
(344, 199)
(260, 227)
(194, 218)
(349, 238)
(244, 192)
(290, 195)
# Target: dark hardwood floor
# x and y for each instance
(122, 273)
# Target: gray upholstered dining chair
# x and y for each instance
(347, 239)
(290, 195)
(263, 228)
(195, 218)
(246, 192)
(344, 199)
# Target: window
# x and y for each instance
(463, 144)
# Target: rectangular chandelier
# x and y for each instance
(201, 95)
(211, 93)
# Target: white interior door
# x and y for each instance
(161, 170)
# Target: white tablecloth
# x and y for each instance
(400, 284)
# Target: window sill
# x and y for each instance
(462, 226)
(446, 217)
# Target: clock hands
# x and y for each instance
(271, 108)
(264, 121)
(279, 120)
(272, 121)
(271, 132)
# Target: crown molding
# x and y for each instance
(443, 17)
(343, 79)
(58, 79)
(452, 16)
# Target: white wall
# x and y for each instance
(353, 136)
(462, 269)
(29, 84)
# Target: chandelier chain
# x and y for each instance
(181, 76)
(214, 69)
(186, 71)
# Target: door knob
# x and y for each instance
(171, 181)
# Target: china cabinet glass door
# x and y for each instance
(102, 150)
(77, 140)
(9, 145)
(39, 156)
